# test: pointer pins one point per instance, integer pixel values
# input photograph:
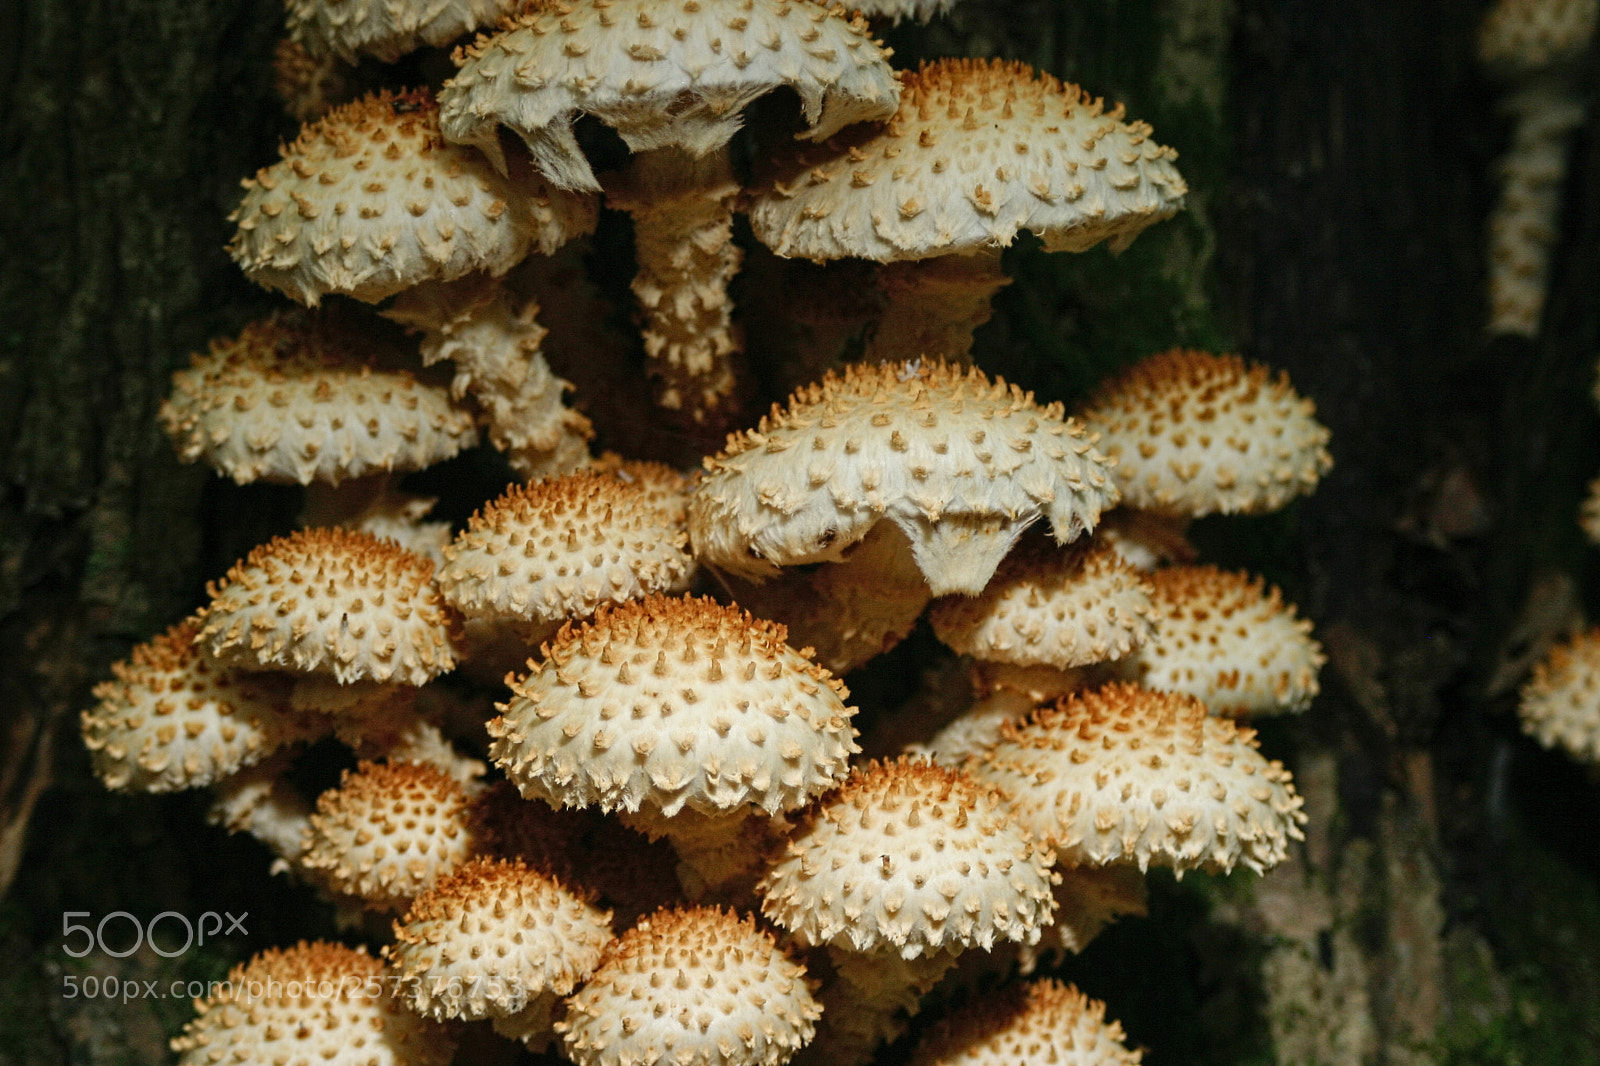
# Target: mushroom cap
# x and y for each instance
(1225, 638)
(661, 75)
(696, 986)
(388, 831)
(370, 200)
(1042, 1021)
(172, 718)
(666, 702)
(1560, 703)
(1194, 434)
(492, 935)
(895, 10)
(558, 548)
(913, 858)
(960, 463)
(1589, 513)
(386, 29)
(1520, 37)
(1124, 774)
(1048, 607)
(314, 1004)
(333, 601)
(290, 400)
(978, 151)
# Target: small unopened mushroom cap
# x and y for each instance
(1520, 37)
(1194, 433)
(960, 463)
(910, 857)
(558, 548)
(661, 75)
(314, 1004)
(1226, 638)
(1035, 1022)
(335, 601)
(172, 718)
(388, 831)
(691, 987)
(1124, 774)
(1560, 704)
(978, 151)
(370, 200)
(492, 936)
(287, 400)
(1049, 607)
(668, 702)
(387, 29)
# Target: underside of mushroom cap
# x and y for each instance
(979, 151)
(960, 463)
(663, 75)
(370, 200)
(386, 29)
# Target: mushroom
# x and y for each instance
(1559, 706)
(314, 1004)
(1035, 1021)
(259, 801)
(961, 464)
(386, 29)
(672, 80)
(978, 151)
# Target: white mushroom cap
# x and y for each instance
(370, 200)
(913, 858)
(387, 29)
(1560, 704)
(314, 1004)
(335, 601)
(662, 75)
(1035, 1022)
(1049, 607)
(292, 399)
(895, 10)
(691, 987)
(172, 718)
(1226, 638)
(961, 464)
(979, 151)
(667, 702)
(1123, 774)
(1194, 434)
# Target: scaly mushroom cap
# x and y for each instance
(1560, 704)
(388, 832)
(491, 937)
(1520, 37)
(1230, 641)
(1123, 774)
(668, 702)
(387, 29)
(557, 549)
(1196, 434)
(895, 10)
(171, 718)
(691, 987)
(315, 1004)
(370, 200)
(1036, 1022)
(979, 150)
(961, 464)
(663, 75)
(289, 401)
(1046, 607)
(333, 601)
(913, 855)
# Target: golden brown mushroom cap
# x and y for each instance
(978, 151)
(1194, 434)
(960, 463)
(387, 29)
(691, 987)
(1124, 774)
(314, 1004)
(370, 200)
(1034, 1022)
(1560, 704)
(666, 702)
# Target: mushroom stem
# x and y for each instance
(871, 1003)
(495, 347)
(682, 208)
(934, 306)
(720, 854)
(341, 504)
(260, 802)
